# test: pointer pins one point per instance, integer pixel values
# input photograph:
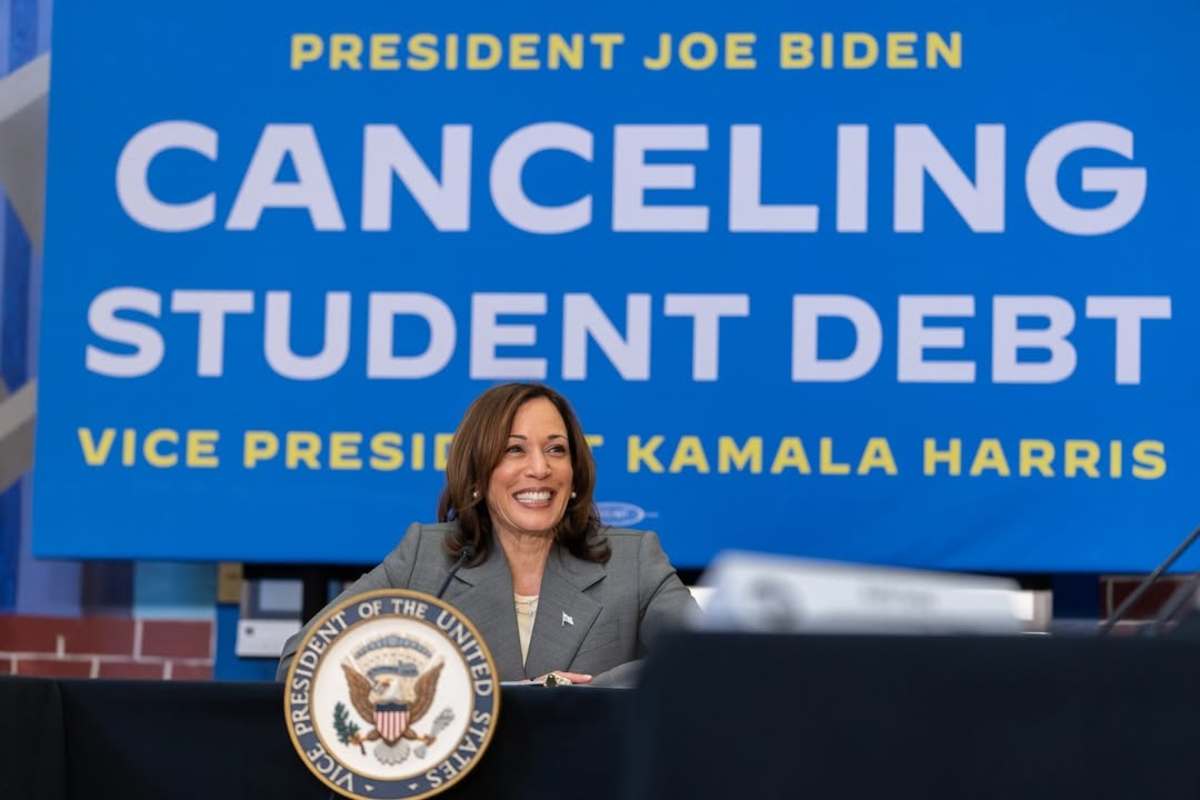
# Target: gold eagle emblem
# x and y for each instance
(390, 689)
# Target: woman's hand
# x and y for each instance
(561, 678)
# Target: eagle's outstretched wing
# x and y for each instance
(426, 689)
(360, 689)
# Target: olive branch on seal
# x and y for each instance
(345, 727)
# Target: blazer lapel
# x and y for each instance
(484, 593)
(564, 613)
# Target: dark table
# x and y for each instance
(717, 716)
(124, 739)
(918, 717)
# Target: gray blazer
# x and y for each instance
(591, 618)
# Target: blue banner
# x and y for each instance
(908, 285)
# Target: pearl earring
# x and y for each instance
(475, 494)
(573, 495)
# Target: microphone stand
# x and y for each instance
(464, 555)
(1143, 587)
(1174, 606)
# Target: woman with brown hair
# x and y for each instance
(519, 548)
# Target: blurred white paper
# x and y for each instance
(758, 592)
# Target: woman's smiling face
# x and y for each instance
(529, 489)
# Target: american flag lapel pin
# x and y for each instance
(567, 619)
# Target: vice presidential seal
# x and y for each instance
(392, 694)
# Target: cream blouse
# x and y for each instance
(526, 611)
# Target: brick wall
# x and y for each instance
(1114, 589)
(106, 647)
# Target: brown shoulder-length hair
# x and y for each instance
(479, 445)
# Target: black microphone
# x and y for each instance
(1123, 609)
(464, 555)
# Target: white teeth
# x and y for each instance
(533, 497)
